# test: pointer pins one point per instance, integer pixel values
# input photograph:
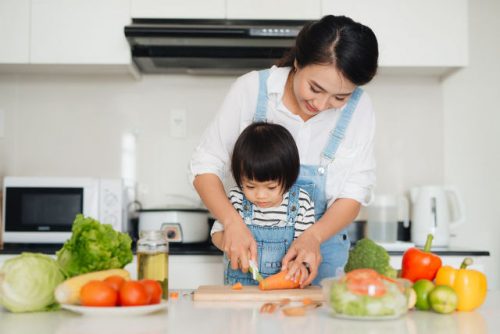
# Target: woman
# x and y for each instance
(314, 93)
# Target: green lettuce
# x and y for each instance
(28, 281)
(94, 246)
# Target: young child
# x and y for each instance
(265, 165)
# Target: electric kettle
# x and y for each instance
(431, 209)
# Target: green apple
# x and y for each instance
(443, 299)
(422, 288)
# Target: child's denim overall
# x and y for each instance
(312, 178)
(272, 242)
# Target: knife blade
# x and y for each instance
(255, 271)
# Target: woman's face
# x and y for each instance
(320, 87)
(265, 194)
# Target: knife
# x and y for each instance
(255, 271)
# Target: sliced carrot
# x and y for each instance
(237, 286)
(173, 295)
(278, 281)
(307, 301)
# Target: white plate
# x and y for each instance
(117, 310)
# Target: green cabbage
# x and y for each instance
(28, 281)
(94, 246)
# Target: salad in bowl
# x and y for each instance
(365, 294)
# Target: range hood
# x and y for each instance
(209, 46)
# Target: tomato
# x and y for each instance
(98, 293)
(365, 282)
(115, 281)
(153, 289)
(133, 293)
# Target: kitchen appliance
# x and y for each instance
(42, 209)
(384, 215)
(253, 293)
(181, 224)
(431, 210)
(209, 46)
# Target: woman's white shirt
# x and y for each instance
(350, 175)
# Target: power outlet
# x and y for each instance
(178, 126)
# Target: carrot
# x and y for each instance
(278, 281)
(237, 286)
(174, 295)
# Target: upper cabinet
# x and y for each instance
(276, 9)
(168, 9)
(14, 31)
(79, 32)
(412, 33)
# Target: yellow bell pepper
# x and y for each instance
(470, 285)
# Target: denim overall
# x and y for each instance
(272, 242)
(312, 178)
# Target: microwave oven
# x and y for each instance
(42, 209)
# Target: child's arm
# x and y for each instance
(217, 239)
(301, 274)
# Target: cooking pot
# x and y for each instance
(183, 225)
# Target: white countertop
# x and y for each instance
(185, 316)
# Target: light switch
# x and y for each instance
(178, 123)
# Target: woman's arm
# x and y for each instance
(306, 248)
(237, 240)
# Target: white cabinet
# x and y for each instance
(79, 32)
(14, 31)
(412, 33)
(168, 9)
(276, 9)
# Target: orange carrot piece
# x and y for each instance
(307, 301)
(278, 281)
(237, 286)
(173, 295)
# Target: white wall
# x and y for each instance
(472, 132)
(72, 125)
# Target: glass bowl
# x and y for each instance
(364, 294)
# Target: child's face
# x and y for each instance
(265, 194)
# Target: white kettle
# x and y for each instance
(431, 209)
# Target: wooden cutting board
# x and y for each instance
(252, 293)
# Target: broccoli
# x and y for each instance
(367, 254)
(94, 246)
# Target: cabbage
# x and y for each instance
(28, 281)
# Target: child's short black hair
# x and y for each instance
(265, 152)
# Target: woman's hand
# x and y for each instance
(301, 274)
(239, 245)
(305, 250)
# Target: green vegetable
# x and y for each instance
(28, 281)
(343, 301)
(367, 254)
(94, 246)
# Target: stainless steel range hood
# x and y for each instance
(209, 46)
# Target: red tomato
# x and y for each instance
(98, 293)
(153, 289)
(133, 293)
(115, 281)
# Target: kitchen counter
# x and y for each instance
(185, 316)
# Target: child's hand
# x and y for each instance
(301, 274)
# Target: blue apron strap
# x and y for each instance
(293, 204)
(337, 135)
(247, 208)
(261, 110)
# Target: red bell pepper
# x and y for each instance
(420, 264)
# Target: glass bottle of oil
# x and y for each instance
(152, 258)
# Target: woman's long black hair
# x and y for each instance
(266, 152)
(349, 45)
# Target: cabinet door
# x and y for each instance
(412, 32)
(168, 9)
(79, 32)
(14, 31)
(276, 9)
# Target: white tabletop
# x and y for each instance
(185, 316)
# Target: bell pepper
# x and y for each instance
(420, 264)
(470, 285)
